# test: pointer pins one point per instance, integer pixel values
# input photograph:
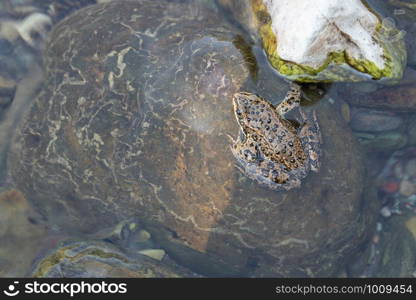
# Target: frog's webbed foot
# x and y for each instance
(282, 179)
(291, 101)
(310, 135)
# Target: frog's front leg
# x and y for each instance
(245, 149)
(311, 138)
(291, 101)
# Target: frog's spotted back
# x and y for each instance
(271, 149)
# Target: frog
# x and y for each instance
(276, 152)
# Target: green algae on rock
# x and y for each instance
(334, 55)
(134, 120)
(82, 259)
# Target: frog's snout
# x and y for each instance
(241, 100)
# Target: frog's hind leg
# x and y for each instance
(310, 136)
(291, 101)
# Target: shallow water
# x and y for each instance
(382, 119)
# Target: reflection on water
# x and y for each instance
(177, 166)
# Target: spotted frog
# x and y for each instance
(271, 149)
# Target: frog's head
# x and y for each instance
(248, 108)
(244, 101)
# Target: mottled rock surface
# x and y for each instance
(135, 119)
(99, 259)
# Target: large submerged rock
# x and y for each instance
(134, 120)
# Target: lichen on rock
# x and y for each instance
(329, 40)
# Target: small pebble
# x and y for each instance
(157, 254)
(398, 11)
(373, 120)
(410, 168)
(398, 170)
(390, 187)
(143, 236)
(385, 212)
(407, 188)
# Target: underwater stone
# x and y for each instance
(371, 120)
(99, 259)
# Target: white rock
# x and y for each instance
(157, 254)
(385, 212)
(307, 31)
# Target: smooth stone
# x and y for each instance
(383, 142)
(371, 120)
(397, 98)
